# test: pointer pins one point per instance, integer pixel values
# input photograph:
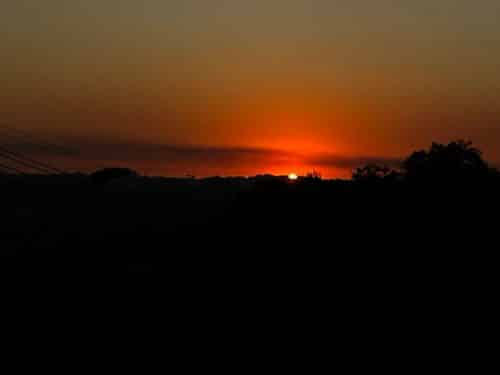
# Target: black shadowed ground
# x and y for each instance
(436, 215)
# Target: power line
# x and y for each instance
(23, 163)
(23, 159)
(10, 169)
(14, 156)
(23, 137)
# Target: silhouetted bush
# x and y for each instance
(455, 161)
(371, 173)
(314, 176)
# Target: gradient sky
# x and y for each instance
(244, 87)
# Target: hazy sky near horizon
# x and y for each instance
(350, 78)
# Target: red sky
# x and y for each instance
(238, 87)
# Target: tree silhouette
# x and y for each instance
(371, 173)
(457, 160)
(314, 176)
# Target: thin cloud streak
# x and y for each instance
(205, 160)
(352, 162)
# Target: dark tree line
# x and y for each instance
(455, 162)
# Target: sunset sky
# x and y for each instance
(234, 87)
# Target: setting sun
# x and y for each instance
(293, 177)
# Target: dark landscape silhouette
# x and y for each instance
(250, 186)
(436, 212)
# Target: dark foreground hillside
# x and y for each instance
(380, 224)
(394, 268)
(167, 225)
(263, 269)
